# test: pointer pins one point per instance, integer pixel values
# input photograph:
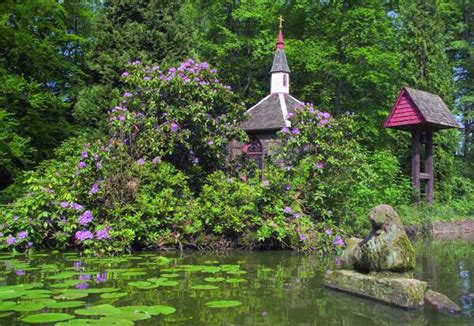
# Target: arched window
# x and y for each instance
(285, 81)
(254, 150)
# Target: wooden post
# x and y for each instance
(429, 188)
(415, 164)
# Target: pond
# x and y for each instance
(234, 288)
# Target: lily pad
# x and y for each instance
(65, 304)
(151, 310)
(10, 294)
(236, 280)
(114, 295)
(214, 279)
(47, 318)
(100, 310)
(7, 305)
(172, 275)
(113, 321)
(63, 275)
(223, 304)
(76, 322)
(28, 306)
(71, 296)
(134, 273)
(204, 287)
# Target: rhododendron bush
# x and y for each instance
(161, 177)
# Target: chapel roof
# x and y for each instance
(271, 113)
(280, 64)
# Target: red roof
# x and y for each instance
(415, 108)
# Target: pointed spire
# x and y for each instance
(279, 62)
(281, 43)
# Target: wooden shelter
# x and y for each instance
(421, 113)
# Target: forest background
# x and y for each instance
(62, 65)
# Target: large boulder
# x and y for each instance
(387, 248)
(402, 292)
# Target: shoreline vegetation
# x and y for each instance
(114, 129)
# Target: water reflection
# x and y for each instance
(278, 287)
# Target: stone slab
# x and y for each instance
(406, 293)
(441, 303)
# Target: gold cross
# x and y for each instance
(281, 22)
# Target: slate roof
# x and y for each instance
(432, 108)
(268, 114)
(280, 64)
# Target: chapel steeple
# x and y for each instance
(280, 80)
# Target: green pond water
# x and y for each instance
(234, 288)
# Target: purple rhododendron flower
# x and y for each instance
(102, 234)
(211, 142)
(303, 237)
(141, 161)
(157, 160)
(288, 187)
(320, 165)
(285, 130)
(84, 235)
(82, 164)
(11, 240)
(295, 131)
(23, 234)
(338, 261)
(1, 234)
(196, 160)
(29, 244)
(95, 188)
(287, 209)
(20, 272)
(135, 62)
(127, 94)
(98, 165)
(121, 118)
(77, 207)
(96, 157)
(85, 154)
(266, 183)
(16, 217)
(297, 215)
(288, 167)
(174, 127)
(86, 218)
(323, 122)
(147, 78)
(339, 241)
(64, 204)
(125, 74)
(328, 231)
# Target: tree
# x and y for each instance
(152, 31)
(41, 58)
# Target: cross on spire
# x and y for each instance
(281, 43)
(281, 22)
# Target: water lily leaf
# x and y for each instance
(76, 322)
(214, 279)
(140, 284)
(223, 304)
(63, 275)
(7, 305)
(234, 272)
(151, 310)
(129, 316)
(204, 287)
(71, 296)
(133, 273)
(65, 304)
(211, 269)
(173, 275)
(236, 280)
(10, 294)
(114, 295)
(67, 284)
(100, 310)
(28, 306)
(113, 321)
(47, 318)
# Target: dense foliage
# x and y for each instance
(145, 162)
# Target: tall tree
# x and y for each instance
(41, 58)
(127, 30)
